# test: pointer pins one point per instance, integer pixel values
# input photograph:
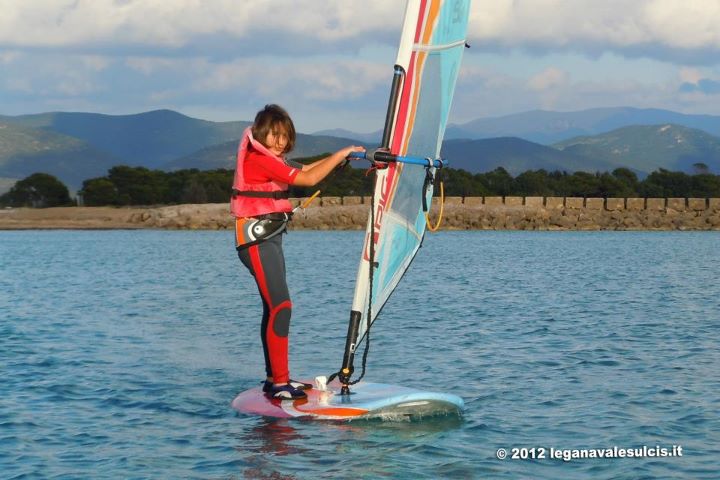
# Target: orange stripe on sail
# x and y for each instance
(396, 181)
(419, 64)
(432, 18)
(429, 15)
(428, 29)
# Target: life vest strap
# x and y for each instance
(282, 216)
(282, 194)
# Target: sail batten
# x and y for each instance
(435, 48)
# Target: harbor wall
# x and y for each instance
(348, 213)
(537, 213)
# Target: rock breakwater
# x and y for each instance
(350, 213)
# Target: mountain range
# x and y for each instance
(78, 146)
(151, 139)
(547, 127)
(648, 147)
(223, 154)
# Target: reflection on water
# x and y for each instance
(354, 448)
(260, 445)
(274, 436)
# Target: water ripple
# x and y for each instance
(120, 352)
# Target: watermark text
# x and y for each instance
(570, 454)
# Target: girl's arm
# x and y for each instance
(313, 173)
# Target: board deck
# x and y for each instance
(367, 400)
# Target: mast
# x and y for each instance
(356, 316)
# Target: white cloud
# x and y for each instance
(18, 85)
(550, 85)
(8, 57)
(549, 78)
(690, 75)
(75, 86)
(314, 79)
(175, 23)
(46, 76)
(485, 93)
(97, 63)
(152, 65)
(684, 24)
(655, 28)
(231, 56)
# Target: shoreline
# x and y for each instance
(349, 213)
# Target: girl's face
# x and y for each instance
(276, 140)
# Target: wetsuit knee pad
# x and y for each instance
(281, 319)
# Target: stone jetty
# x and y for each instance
(350, 213)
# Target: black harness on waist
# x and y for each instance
(279, 195)
(250, 231)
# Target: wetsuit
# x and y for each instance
(266, 260)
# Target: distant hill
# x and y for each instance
(24, 151)
(224, 154)
(549, 127)
(515, 155)
(149, 139)
(78, 146)
(645, 149)
(373, 138)
(649, 147)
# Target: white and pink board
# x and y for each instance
(367, 400)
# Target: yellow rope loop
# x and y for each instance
(440, 216)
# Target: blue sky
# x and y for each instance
(330, 63)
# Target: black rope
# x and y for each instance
(430, 179)
(370, 281)
(368, 320)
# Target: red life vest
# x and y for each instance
(243, 205)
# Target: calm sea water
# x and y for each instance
(120, 352)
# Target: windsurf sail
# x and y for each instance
(426, 69)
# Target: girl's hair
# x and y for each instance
(270, 118)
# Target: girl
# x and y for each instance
(261, 209)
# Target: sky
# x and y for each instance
(329, 63)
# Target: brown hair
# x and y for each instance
(270, 118)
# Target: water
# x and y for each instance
(120, 352)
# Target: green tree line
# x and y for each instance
(621, 182)
(38, 190)
(124, 185)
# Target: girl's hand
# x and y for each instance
(345, 152)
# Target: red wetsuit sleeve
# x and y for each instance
(260, 168)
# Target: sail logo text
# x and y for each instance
(381, 207)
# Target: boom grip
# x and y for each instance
(383, 156)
